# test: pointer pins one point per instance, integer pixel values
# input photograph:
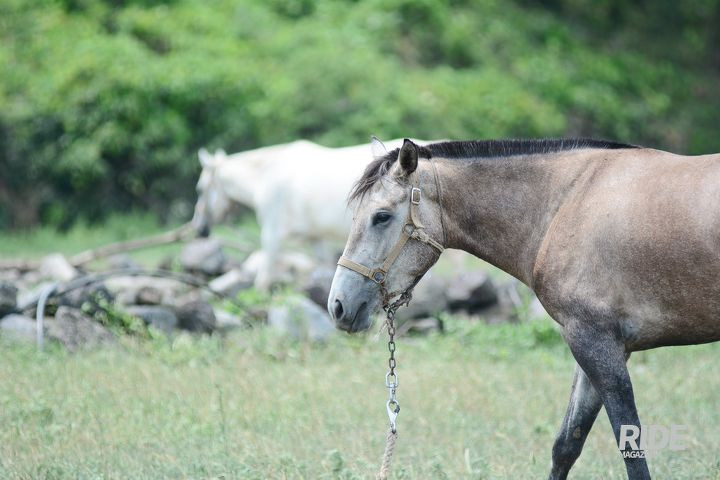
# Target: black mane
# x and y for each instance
(479, 149)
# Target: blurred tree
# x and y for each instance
(103, 104)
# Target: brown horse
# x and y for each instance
(621, 244)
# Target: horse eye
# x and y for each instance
(381, 217)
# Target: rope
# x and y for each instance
(387, 456)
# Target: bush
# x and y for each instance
(104, 104)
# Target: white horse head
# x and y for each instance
(213, 203)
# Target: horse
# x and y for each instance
(620, 243)
(297, 190)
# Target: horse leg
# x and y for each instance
(270, 240)
(582, 410)
(600, 352)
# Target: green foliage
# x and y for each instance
(104, 311)
(104, 104)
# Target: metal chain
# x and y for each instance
(391, 378)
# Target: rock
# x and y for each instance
(126, 289)
(75, 330)
(167, 263)
(295, 265)
(148, 295)
(203, 255)
(29, 297)
(420, 326)
(18, 327)
(226, 321)
(89, 299)
(317, 285)
(122, 261)
(301, 319)
(56, 267)
(8, 298)
(161, 318)
(232, 282)
(196, 316)
(429, 297)
(471, 291)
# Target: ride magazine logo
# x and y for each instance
(653, 439)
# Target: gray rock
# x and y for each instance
(471, 291)
(126, 289)
(420, 326)
(226, 321)
(10, 275)
(161, 318)
(203, 255)
(232, 282)
(18, 327)
(29, 297)
(301, 319)
(75, 330)
(56, 267)
(317, 285)
(8, 298)
(148, 295)
(429, 297)
(122, 261)
(196, 316)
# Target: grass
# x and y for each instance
(41, 241)
(480, 402)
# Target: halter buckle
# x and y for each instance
(378, 275)
(415, 194)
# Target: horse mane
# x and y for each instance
(478, 149)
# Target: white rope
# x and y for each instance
(387, 456)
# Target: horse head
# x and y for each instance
(213, 203)
(396, 219)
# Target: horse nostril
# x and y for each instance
(337, 310)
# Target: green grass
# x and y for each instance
(40, 241)
(479, 402)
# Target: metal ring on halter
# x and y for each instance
(378, 275)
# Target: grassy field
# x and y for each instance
(41, 241)
(480, 401)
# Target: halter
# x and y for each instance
(413, 228)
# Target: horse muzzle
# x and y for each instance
(349, 320)
(352, 312)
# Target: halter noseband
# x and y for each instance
(413, 228)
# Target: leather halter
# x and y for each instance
(413, 228)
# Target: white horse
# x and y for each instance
(298, 191)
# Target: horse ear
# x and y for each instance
(206, 159)
(408, 157)
(220, 155)
(378, 148)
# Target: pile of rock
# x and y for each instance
(169, 305)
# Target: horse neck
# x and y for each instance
(240, 177)
(499, 209)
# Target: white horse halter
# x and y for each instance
(412, 228)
